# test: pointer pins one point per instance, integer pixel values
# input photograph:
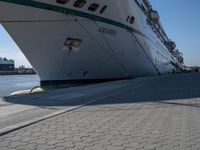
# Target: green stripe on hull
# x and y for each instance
(59, 9)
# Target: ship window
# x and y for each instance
(146, 3)
(143, 8)
(62, 1)
(137, 2)
(93, 7)
(132, 19)
(80, 3)
(127, 19)
(103, 9)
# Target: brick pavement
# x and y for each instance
(162, 115)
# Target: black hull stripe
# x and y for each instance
(71, 83)
(60, 9)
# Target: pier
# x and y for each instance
(149, 113)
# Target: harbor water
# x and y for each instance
(12, 83)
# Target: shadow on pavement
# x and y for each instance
(166, 88)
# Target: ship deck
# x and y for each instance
(150, 113)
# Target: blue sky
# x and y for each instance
(10, 50)
(180, 18)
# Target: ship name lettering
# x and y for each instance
(108, 31)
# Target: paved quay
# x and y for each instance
(152, 113)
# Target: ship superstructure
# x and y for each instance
(69, 41)
(6, 65)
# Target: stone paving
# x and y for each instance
(15, 110)
(162, 115)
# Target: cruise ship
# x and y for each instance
(6, 65)
(73, 41)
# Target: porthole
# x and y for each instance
(62, 1)
(127, 19)
(93, 7)
(80, 3)
(103, 9)
(132, 19)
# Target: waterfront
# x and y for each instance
(149, 113)
(12, 83)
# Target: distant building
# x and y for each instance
(195, 69)
(7, 65)
(23, 70)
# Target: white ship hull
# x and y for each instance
(41, 33)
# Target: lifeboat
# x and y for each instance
(154, 16)
(171, 45)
